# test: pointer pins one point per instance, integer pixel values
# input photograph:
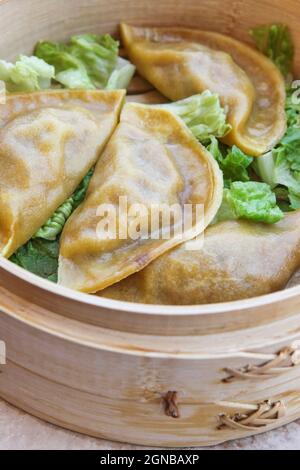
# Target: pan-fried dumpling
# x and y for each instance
(152, 159)
(48, 142)
(239, 259)
(182, 62)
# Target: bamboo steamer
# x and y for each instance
(150, 375)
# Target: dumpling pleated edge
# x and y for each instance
(247, 58)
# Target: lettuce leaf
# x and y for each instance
(86, 62)
(54, 226)
(121, 76)
(242, 198)
(275, 42)
(217, 149)
(233, 162)
(249, 200)
(202, 113)
(287, 165)
(98, 54)
(39, 257)
(292, 105)
(264, 167)
(283, 198)
(40, 254)
(27, 74)
(290, 148)
(281, 166)
(75, 79)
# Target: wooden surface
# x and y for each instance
(103, 367)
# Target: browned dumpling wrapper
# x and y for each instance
(182, 62)
(152, 159)
(239, 260)
(48, 142)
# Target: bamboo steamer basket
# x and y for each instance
(150, 375)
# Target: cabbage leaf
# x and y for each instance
(202, 113)
(249, 200)
(27, 74)
(275, 42)
(88, 61)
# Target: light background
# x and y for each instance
(20, 431)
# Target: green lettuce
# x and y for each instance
(27, 74)
(202, 113)
(275, 42)
(281, 166)
(279, 169)
(217, 149)
(88, 61)
(121, 76)
(287, 165)
(242, 198)
(54, 226)
(40, 254)
(235, 165)
(249, 200)
(292, 105)
(283, 198)
(39, 257)
(233, 162)
(264, 167)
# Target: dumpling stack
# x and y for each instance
(145, 156)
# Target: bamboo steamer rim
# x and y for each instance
(69, 351)
(153, 309)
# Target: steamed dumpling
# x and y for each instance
(151, 159)
(239, 259)
(48, 142)
(182, 62)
